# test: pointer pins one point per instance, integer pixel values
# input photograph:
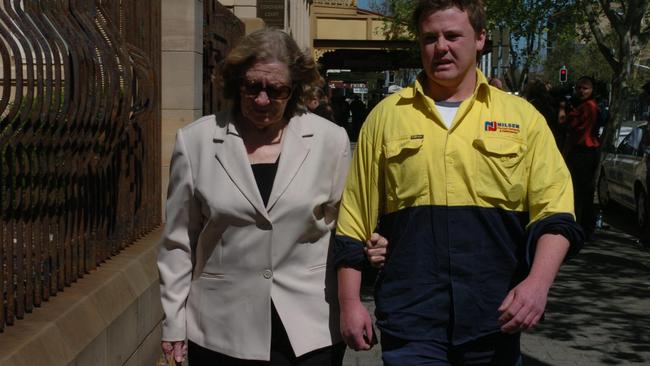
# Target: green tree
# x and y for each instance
(528, 25)
(622, 49)
(397, 21)
(580, 58)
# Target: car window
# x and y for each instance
(631, 143)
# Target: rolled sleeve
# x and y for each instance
(562, 224)
(360, 204)
(550, 193)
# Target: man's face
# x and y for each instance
(448, 47)
(584, 89)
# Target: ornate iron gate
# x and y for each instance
(79, 140)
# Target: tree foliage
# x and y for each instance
(580, 58)
(531, 25)
(628, 36)
(397, 23)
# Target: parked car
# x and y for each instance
(622, 176)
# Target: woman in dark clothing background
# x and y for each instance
(541, 98)
(582, 152)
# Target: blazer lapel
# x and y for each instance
(231, 153)
(295, 148)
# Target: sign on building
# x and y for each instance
(272, 12)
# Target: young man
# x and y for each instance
(468, 187)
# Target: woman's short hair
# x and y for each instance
(474, 8)
(272, 45)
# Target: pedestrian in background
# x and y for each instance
(318, 103)
(341, 109)
(252, 200)
(537, 94)
(467, 185)
(358, 111)
(582, 152)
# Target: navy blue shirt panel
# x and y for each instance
(449, 268)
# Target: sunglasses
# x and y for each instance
(253, 89)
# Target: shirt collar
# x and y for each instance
(418, 86)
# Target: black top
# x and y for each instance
(264, 176)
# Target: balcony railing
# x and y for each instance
(337, 3)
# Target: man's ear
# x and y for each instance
(480, 41)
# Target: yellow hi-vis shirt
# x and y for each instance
(462, 208)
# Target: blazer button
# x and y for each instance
(267, 274)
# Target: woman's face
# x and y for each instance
(584, 89)
(265, 92)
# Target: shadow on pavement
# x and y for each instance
(600, 303)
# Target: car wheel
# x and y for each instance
(603, 191)
(641, 209)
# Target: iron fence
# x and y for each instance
(79, 140)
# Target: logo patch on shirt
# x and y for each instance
(506, 127)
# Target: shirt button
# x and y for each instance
(267, 274)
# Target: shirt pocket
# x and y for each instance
(500, 169)
(406, 178)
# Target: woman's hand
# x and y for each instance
(376, 248)
(176, 350)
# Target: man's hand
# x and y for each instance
(523, 307)
(376, 248)
(356, 326)
(176, 349)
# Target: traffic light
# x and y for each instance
(564, 74)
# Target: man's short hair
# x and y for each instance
(474, 8)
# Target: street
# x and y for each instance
(598, 311)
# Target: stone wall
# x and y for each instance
(182, 67)
(110, 317)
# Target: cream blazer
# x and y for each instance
(224, 255)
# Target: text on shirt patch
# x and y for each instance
(494, 126)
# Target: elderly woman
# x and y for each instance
(253, 197)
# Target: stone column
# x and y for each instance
(182, 69)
